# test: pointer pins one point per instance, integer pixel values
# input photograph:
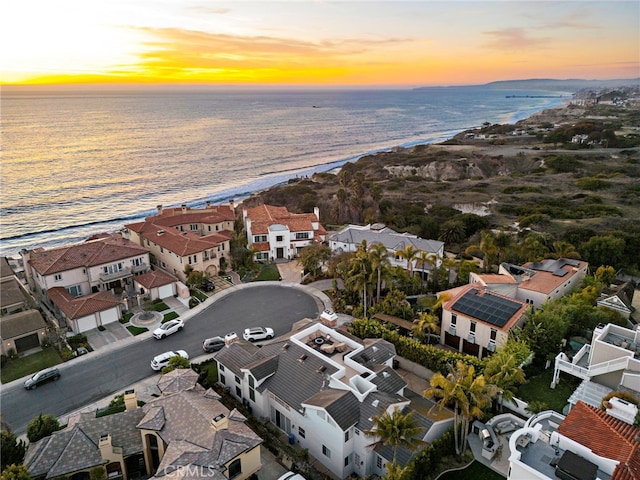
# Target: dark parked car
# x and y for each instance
(208, 286)
(41, 377)
(213, 344)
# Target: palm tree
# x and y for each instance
(409, 253)
(396, 429)
(427, 325)
(452, 231)
(359, 274)
(423, 259)
(379, 258)
(503, 370)
(564, 250)
(467, 393)
(488, 248)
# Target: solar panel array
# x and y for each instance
(488, 308)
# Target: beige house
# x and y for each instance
(184, 237)
(185, 433)
(156, 284)
(83, 283)
(275, 233)
(477, 320)
(22, 327)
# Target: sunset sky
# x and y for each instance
(307, 42)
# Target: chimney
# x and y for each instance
(230, 338)
(130, 400)
(184, 208)
(316, 212)
(220, 422)
(106, 449)
(208, 204)
(232, 205)
(159, 208)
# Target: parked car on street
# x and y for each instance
(291, 476)
(43, 376)
(257, 333)
(213, 344)
(168, 328)
(161, 361)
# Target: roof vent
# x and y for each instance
(302, 358)
(285, 346)
(160, 232)
(321, 369)
(375, 402)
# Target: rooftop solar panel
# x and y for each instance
(488, 308)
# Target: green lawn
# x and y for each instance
(268, 272)
(170, 316)
(23, 366)
(538, 389)
(475, 471)
(159, 307)
(136, 330)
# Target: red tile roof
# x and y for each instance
(264, 216)
(180, 242)
(87, 254)
(155, 278)
(74, 308)
(606, 436)
(546, 282)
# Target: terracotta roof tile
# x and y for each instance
(87, 254)
(80, 307)
(605, 436)
(263, 216)
(545, 281)
(155, 278)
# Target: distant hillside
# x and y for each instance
(569, 85)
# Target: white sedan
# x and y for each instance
(166, 329)
(257, 333)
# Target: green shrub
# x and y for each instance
(590, 183)
(170, 316)
(66, 354)
(137, 330)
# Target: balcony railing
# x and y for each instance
(125, 272)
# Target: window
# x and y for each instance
(221, 367)
(379, 461)
(259, 238)
(346, 436)
(193, 227)
(325, 451)
(473, 327)
(302, 235)
(494, 334)
(222, 379)
(57, 277)
(209, 228)
(238, 392)
(76, 290)
(235, 468)
(137, 262)
(357, 459)
(238, 380)
(301, 432)
(252, 394)
(357, 432)
(279, 238)
(346, 460)
(454, 319)
(321, 414)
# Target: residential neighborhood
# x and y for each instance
(325, 382)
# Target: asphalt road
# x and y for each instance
(104, 372)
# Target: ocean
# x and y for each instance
(75, 164)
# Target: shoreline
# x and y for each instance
(241, 193)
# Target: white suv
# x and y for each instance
(257, 333)
(161, 361)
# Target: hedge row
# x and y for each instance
(428, 356)
(429, 459)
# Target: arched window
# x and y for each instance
(235, 468)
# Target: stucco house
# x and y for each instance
(82, 283)
(477, 320)
(275, 233)
(322, 387)
(185, 237)
(156, 284)
(619, 297)
(351, 237)
(588, 443)
(22, 327)
(185, 433)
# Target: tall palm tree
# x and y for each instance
(423, 259)
(488, 248)
(379, 258)
(409, 253)
(564, 250)
(467, 393)
(396, 429)
(427, 325)
(359, 275)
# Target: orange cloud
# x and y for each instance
(510, 39)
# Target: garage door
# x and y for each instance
(109, 316)
(86, 323)
(165, 291)
(27, 343)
